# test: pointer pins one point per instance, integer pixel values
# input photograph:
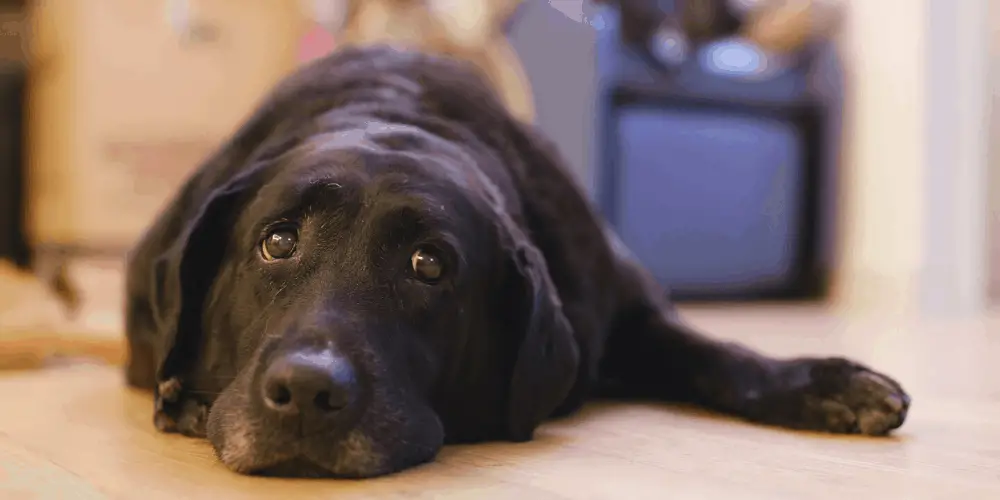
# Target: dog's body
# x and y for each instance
(383, 260)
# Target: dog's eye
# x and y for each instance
(427, 266)
(279, 244)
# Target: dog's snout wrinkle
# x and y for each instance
(310, 385)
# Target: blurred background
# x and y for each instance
(748, 151)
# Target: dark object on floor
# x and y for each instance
(671, 31)
(13, 237)
(383, 260)
(721, 175)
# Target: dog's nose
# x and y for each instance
(309, 384)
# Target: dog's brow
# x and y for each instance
(310, 189)
(323, 184)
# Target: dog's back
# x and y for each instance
(387, 80)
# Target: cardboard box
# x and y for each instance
(13, 35)
(127, 98)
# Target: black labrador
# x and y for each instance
(381, 261)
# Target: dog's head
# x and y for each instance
(342, 297)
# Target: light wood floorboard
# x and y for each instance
(76, 432)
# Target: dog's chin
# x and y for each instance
(376, 445)
(356, 460)
(353, 456)
(302, 467)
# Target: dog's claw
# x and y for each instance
(170, 390)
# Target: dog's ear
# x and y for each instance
(167, 280)
(171, 267)
(548, 359)
(183, 273)
(546, 355)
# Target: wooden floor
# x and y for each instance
(75, 432)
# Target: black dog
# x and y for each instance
(381, 261)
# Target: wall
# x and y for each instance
(915, 225)
(883, 159)
(994, 155)
(124, 106)
(556, 47)
(954, 277)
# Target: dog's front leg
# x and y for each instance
(652, 354)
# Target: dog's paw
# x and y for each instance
(833, 395)
(173, 413)
(188, 418)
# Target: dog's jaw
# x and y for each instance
(355, 455)
(248, 445)
(238, 450)
(235, 437)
